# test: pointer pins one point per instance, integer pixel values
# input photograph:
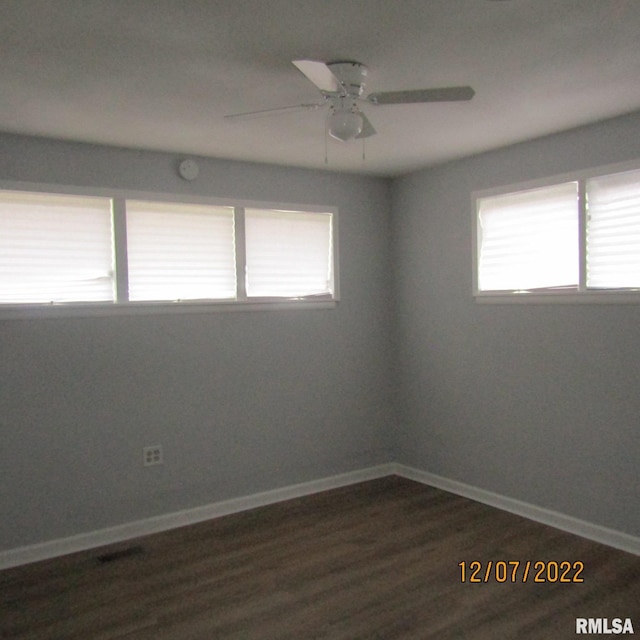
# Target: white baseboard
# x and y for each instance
(597, 533)
(130, 530)
(157, 524)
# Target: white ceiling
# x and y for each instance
(161, 74)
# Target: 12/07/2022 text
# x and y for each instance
(521, 571)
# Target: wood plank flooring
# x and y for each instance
(377, 560)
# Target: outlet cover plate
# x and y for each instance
(152, 455)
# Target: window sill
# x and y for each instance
(560, 297)
(91, 310)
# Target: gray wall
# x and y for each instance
(536, 402)
(241, 402)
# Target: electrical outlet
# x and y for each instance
(152, 455)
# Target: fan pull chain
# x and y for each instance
(364, 154)
(326, 136)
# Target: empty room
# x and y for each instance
(319, 319)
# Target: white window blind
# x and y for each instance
(132, 253)
(288, 253)
(613, 231)
(529, 239)
(180, 251)
(55, 248)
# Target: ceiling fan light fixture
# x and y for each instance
(345, 124)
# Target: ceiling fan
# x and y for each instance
(341, 85)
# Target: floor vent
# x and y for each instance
(121, 554)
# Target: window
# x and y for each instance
(55, 248)
(180, 252)
(76, 250)
(577, 238)
(288, 254)
(613, 231)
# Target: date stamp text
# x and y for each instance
(521, 571)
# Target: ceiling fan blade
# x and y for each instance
(273, 112)
(320, 74)
(444, 94)
(367, 128)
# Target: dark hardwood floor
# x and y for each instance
(377, 560)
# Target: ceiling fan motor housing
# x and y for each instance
(351, 75)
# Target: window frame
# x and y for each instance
(579, 295)
(122, 306)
